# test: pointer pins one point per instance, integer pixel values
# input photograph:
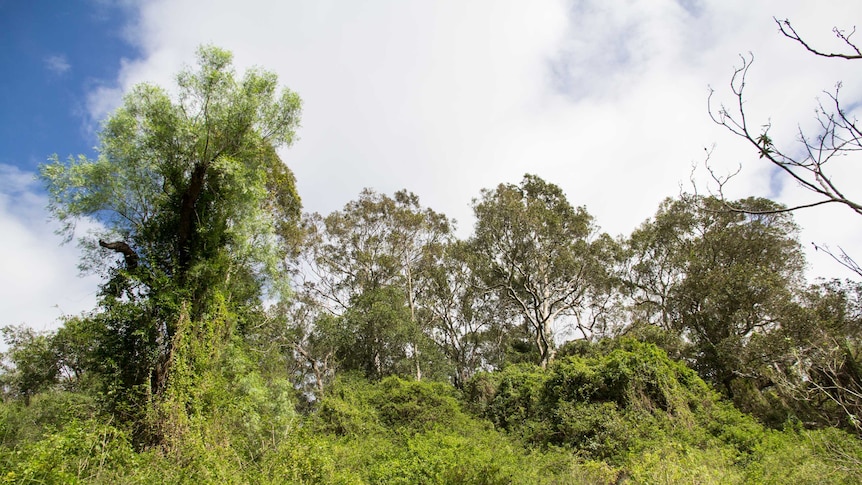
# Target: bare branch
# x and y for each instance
(838, 136)
(129, 254)
(843, 259)
(788, 31)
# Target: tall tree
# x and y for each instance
(190, 191)
(468, 323)
(370, 255)
(716, 277)
(655, 253)
(536, 249)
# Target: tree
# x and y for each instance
(29, 365)
(654, 253)
(535, 248)
(715, 277)
(470, 325)
(814, 361)
(190, 191)
(366, 262)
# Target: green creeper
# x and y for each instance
(190, 191)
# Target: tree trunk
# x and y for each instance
(186, 223)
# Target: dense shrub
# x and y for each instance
(625, 403)
(613, 412)
(89, 451)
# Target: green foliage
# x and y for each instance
(215, 395)
(819, 456)
(86, 451)
(370, 261)
(815, 359)
(534, 248)
(375, 334)
(181, 376)
(470, 325)
(625, 403)
(679, 464)
(44, 414)
(599, 403)
(190, 191)
(610, 412)
(715, 277)
(32, 364)
(398, 431)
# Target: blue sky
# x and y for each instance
(607, 99)
(54, 53)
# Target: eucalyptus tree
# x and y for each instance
(655, 262)
(366, 264)
(190, 191)
(469, 324)
(538, 251)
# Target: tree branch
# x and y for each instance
(129, 255)
(788, 31)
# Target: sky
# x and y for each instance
(607, 99)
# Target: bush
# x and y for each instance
(401, 431)
(80, 451)
(47, 413)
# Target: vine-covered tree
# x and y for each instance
(715, 277)
(191, 192)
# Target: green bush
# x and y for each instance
(87, 451)
(613, 412)
(47, 413)
(401, 431)
(806, 457)
(675, 463)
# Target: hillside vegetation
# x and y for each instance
(240, 340)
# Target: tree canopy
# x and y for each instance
(190, 190)
(180, 183)
(536, 249)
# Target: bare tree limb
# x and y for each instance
(789, 32)
(129, 254)
(843, 259)
(838, 136)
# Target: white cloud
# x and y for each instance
(606, 99)
(57, 64)
(39, 281)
